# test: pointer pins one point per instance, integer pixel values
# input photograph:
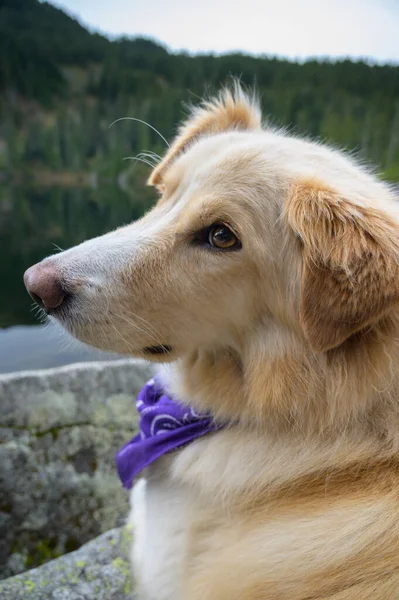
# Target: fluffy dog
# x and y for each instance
(266, 280)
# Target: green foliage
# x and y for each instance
(62, 86)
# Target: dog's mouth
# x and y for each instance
(59, 305)
(157, 350)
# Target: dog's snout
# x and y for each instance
(44, 285)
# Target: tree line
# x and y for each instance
(61, 87)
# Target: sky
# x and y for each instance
(296, 29)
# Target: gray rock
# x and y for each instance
(59, 431)
(100, 570)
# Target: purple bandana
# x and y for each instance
(165, 425)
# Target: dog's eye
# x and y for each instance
(222, 237)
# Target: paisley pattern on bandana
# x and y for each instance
(165, 425)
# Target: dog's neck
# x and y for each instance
(296, 390)
(293, 417)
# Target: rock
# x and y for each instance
(99, 570)
(59, 431)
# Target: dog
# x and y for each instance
(265, 282)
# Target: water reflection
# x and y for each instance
(34, 221)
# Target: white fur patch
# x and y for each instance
(159, 515)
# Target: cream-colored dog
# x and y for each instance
(267, 278)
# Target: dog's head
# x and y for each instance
(258, 239)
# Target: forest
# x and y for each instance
(61, 87)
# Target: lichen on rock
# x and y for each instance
(59, 431)
(99, 570)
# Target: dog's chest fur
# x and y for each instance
(159, 515)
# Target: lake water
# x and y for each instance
(33, 224)
(26, 347)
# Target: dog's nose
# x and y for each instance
(43, 284)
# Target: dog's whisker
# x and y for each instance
(149, 158)
(155, 158)
(130, 347)
(138, 159)
(151, 328)
(146, 332)
(139, 121)
(152, 334)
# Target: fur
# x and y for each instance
(292, 340)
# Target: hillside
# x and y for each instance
(61, 87)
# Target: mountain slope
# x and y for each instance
(62, 86)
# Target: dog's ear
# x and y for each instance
(231, 110)
(350, 273)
